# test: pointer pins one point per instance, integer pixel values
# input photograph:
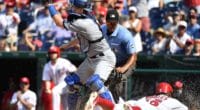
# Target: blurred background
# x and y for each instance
(27, 31)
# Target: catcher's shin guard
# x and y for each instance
(96, 84)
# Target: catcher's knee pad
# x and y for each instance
(72, 79)
(96, 84)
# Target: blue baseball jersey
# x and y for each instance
(121, 41)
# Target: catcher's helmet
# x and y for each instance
(164, 87)
(54, 49)
(80, 3)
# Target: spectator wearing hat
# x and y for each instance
(143, 13)
(177, 42)
(9, 24)
(24, 99)
(135, 26)
(193, 26)
(159, 45)
(10, 19)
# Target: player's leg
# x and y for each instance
(56, 93)
(95, 83)
(103, 69)
(46, 98)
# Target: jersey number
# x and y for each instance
(155, 102)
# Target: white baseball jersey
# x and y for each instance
(58, 71)
(8, 22)
(29, 96)
(160, 102)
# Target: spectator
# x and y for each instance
(24, 99)
(159, 45)
(168, 1)
(178, 41)
(12, 41)
(193, 26)
(56, 70)
(43, 25)
(2, 6)
(134, 25)
(197, 48)
(143, 13)
(9, 24)
(26, 43)
(172, 25)
(193, 11)
(193, 3)
(9, 20)
(25, 10)
(189, 46)
(119, 6)
(61, 35)
(3, 44)
(155, 4)
(100, 12)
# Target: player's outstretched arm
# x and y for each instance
(55, 15)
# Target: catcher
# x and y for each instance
(92, 43)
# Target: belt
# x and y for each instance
(98, 55)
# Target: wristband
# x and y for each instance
(52, 10)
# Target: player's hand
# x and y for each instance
(19, 94)
(120, 70)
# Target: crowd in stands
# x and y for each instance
(158, 26)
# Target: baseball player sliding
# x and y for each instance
(162, 100)
(56, 70)
(100, 59)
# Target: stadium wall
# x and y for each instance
(150, 70)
